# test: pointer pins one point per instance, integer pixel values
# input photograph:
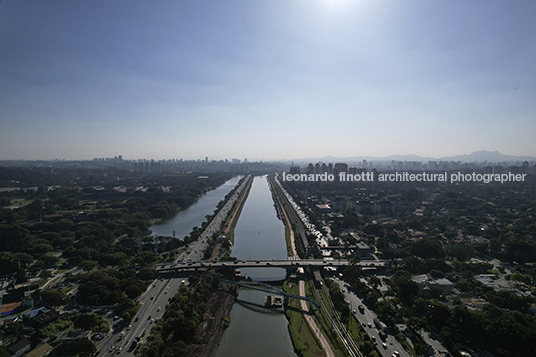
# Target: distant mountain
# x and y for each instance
(410, 157)
(477, 156)
(354, 159)
(490, 156)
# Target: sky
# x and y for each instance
(266, 79)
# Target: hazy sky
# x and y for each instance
(266, 79)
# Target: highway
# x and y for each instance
(153, 303)
(387, 347)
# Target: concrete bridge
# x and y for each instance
(285, 264)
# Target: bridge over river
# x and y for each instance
(285, 264)
(257, 285)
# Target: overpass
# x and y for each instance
(285, 264)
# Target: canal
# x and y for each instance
(182, 223)
(258, 234)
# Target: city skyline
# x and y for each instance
(477, 157)
(266, 80)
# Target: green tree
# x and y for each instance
(54, 297)
(90, 321)
(147, 273)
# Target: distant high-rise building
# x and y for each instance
(525, 168)
(317, 168)
(310, 169)
(513, 169)
(294, 170)
(340, 168)
(498, 170)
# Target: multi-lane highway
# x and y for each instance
(388, 345)
(153, 302)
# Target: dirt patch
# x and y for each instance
(216, 252)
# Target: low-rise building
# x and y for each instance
(426, 282)
(43, 318)
(19, 348)
(364, 250)
(324, 208)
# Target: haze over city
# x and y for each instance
(266, 79)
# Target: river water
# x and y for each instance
(258, 234)
(193, 216)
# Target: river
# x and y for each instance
(193, 216)
(258, 234)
